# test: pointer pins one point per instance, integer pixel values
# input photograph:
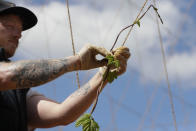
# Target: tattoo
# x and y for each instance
(33, 73)
(82, 91)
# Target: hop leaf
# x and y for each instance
(112, 75)
(116, 63)
(110, 59)
(82, 120)
(137, 22)
(87, 122)
(86, 125)
(95, 126)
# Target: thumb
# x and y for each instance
(101, 50)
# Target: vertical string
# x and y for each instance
(135, 20)
(166, 72)
(73, 47)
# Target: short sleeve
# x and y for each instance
(32, 93)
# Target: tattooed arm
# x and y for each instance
(26, 74)
(45, 113)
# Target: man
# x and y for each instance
(21, 108)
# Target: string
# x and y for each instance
(166, 72)
(73, 47)
(135, 20)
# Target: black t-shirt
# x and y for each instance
(13, 110)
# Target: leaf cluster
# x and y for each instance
(111, 76)
(87, 122)
(112, 62)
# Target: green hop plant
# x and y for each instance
(112, 62)
(87, 122)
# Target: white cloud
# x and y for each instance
(92, 24)
(183, 66)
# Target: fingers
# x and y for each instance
(122, 54)
(124, 51)
(100, 50)
(88, 57)
(123, 65)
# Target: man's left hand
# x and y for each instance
(88, 57)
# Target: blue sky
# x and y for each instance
(137, 100)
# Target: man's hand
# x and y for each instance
(88, 57)
(122, 54)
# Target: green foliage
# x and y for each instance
(87, 122)
(112, 62)
(111, 76)
(137, 22)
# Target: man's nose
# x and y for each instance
(17, 34)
